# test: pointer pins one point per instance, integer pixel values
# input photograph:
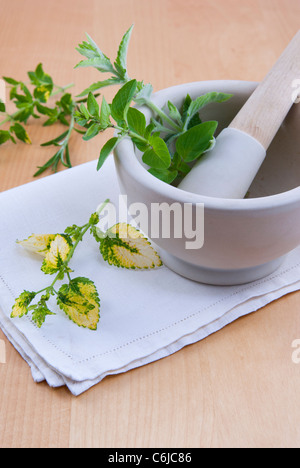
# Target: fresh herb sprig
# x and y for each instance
(33, 100)
(121, 245)
(172, 141)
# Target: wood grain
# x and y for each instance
(268, 106)
(237, 388)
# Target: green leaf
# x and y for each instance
(100, 84)
(191, 144)
(107, 150)
(39, 77)
(121, 61)
(56, 140)
(92, 131)
(80, 301)
(10, 81)
(20, 133)
(48, 164)
(26, 91)
(144, 95)
(24, 114)
(125, 247)
(33, 78)
(44, 110)
(81, 116)
(174, 113)
(21, 304)
(136, 121)
(42, 93)
(95, 57)
(166, 175)
(202, 101)
(122, 101)
(195, 120)
(105, 114)
(2, 106)
(84, 111)
(4, 136)
(93, 106)
(21, 99)
(158, 127)
(40, 313)
(158, 156)
(38, 243)
(39, 72)
(149, 129)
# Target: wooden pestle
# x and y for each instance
(228, 170)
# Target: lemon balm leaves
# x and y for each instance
(80, 301)
(125, 247)
(57, 254)
(40, 312)
(122, 245)
(39, 244)
(21, 304)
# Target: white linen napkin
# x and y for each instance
(145, 315)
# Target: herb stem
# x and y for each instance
(64, 268)
(62, 89)
(84, 229)
(101, 207)
(10, 118)
(7, 119)
(132, 134)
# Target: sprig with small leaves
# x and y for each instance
(174, 139)
(121, 245)
(33, 100)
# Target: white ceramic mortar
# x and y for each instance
(244, 239)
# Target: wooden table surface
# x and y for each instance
(240, 386)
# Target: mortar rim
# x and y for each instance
(125, 155)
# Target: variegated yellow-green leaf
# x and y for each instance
(124, 246)
(21, 304)
(38, 243)
(80, 301)
(57, 254)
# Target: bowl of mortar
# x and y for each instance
(244, 239)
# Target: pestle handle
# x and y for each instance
(228, 170)
(266, 109)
